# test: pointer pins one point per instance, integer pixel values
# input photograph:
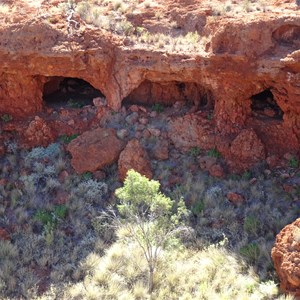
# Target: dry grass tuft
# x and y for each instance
(210, 273)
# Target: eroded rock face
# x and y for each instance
(169, 93)
(247, 149)
(286, 257)
(191, 131)
(134, 156)
(94, 150)
(237, 58)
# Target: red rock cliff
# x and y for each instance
(238, 61)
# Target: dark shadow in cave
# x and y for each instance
(167, 93)
(264, 106)
(67, 92)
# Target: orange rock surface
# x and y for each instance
(94, 150)
(286, 257)
(241, 55)
(135, 157)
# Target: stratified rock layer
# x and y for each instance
(286, 257)
(237, 61)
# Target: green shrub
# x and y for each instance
(66, 139)
(293, 162)
(195, 151)
(214, 153)
(49, 218)
(250, 252)
(6, 118)
(251, 224)
(60, 211)
(210, 116)
(246, 175)
(151, 218)
(158, 107)
(197, 208)
(43, 216)
(87, 176)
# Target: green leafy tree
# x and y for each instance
(151, 218)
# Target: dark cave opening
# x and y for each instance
(264, 105)
(169, 92)
(68, 92)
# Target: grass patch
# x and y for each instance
(214, 153)
(157, 107)
(66, 139)
(250, 252)
(195, 151)
(6, 118)
(51, 216)
(294, 163)
(211, 273)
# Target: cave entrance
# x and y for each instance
(68, 92)
(264, 106)
(167, 93)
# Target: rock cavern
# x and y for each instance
(169, 88)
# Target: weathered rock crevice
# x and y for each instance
(287, 35)
(265, 107)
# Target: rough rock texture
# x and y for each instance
(286, 257)
(161, 150)
(238, 57)
(38, 133)
(94, 150)
(134, 156)
(247, 148)
(210, 164)
(191, 131)
(217, 171)
(206, 162)
(235, 198)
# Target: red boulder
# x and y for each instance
(94, 150)
(134, 156)
(286, 258)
